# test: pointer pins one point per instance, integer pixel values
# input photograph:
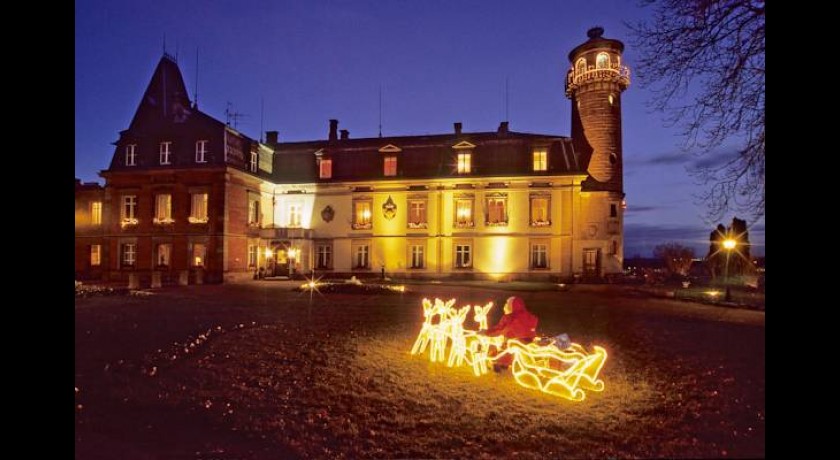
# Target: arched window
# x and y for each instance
(603, 61)
(580, 67)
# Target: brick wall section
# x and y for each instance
(599, 129)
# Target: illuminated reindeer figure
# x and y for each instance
(433, 332)
(457, 334)
(480, 344)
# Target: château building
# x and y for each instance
(189, 199)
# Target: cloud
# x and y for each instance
(693, 160)
(638, 209)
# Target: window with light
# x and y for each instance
(325, 168)
(198, 208)
(362, 214)
(129, 210)
(464, 212)
(295, 212)
(95, 255)
(464, 163)
(418, 259)
(602, 61)
(96, 213)
(163, 209)
(390, 165)
(540, 210)
(540, 159)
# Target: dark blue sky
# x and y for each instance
(437, 62)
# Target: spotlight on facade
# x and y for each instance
(729, 244)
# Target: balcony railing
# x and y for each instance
(284, 233)
(620, 74)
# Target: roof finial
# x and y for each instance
(595, 32)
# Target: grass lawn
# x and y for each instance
(256, 371)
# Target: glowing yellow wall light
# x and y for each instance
(565, 373)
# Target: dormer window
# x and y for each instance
(201, 152)
(390, 163)
(254, 160)
(165, 153)
(131, 155)
(325, 168)
(540, 155)
(464, 163)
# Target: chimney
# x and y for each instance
(333, 130)
(345, 134)
(503, 127)
(271, 137)
(458, 126)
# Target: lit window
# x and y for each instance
(95, 255)
(164, 255)
(539, 210)
(294, 215)
(129, 254)
(464, 212)
(361, 256)
(324, 256)
(464, 163)
(163, 209)
(418, 259)
(201, 152)
(613, 210)
(602, 61)
(96, 213)
(362, 214)
(539, 255)
(253, 212)
(497, 211)
(325, 168)
(254, 160)
(390, 166)
(541, 159)
(252, 255)
(198, 208)
(199, 255)
(580, 67)
(129, 210)
(131, 155)
(463, 256)
(165, 152)
(417, 214)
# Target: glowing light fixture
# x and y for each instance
(729, 244)
(539, 365)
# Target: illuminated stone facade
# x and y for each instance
(188, 199)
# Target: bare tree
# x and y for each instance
(704, 61)
(677, 257)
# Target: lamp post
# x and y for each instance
(728, 244)
(292, 254)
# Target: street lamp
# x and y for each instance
(728, 244)
(292, 254)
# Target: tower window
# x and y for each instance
(602, 61)
(580, 67)
(613, 159)
(611, 99)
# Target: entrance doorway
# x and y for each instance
(592, 262)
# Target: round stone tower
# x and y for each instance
(594, 84)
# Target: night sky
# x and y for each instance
(437, 62)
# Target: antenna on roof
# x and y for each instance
(176, 50)
(164, 43)
(231, 116)
(195, 93)
(380, 110)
